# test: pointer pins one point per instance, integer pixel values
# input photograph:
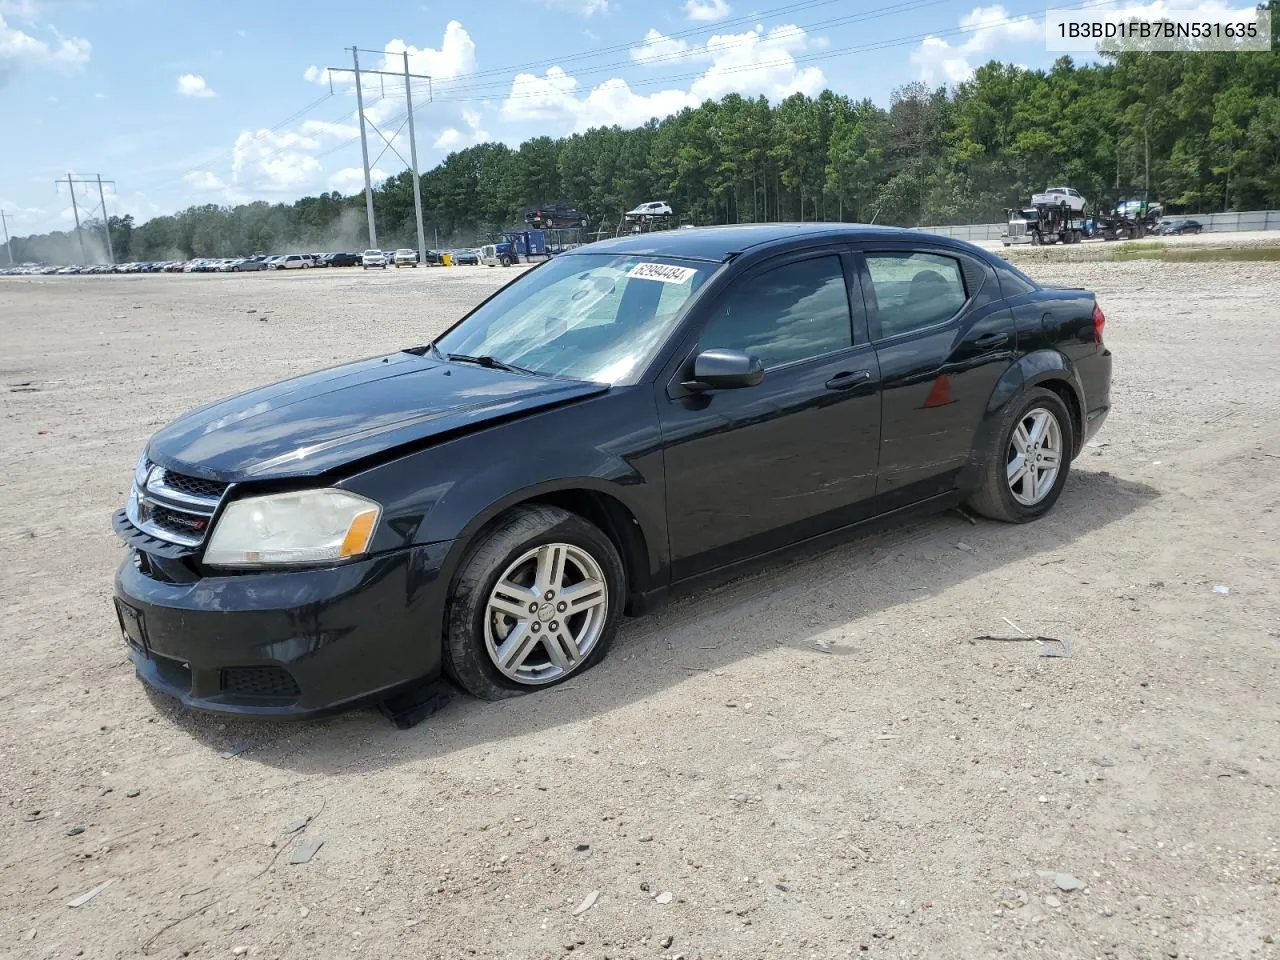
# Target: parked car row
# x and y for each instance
(403, 257)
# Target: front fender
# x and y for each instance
(609, 444)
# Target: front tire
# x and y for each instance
(1025, 463)
(537, 601)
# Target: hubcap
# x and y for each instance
(1035, 456)
(546, 613)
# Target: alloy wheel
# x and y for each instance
(546, 613)
(1034, 457)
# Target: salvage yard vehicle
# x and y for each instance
(629, 419)
(373, 258)
(404, 257)
(1053, 196)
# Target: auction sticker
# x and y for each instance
(662, 272)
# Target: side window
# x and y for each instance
(791, 313)
(914, 290)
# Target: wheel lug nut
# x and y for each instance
(533, 608)
(549, 594)
(562, 606)
(553, 625)
(537, 627)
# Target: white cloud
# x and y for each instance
(752, 63)
(326, 128)
(193, 85)
(204, 180)
(706, 10)
(451, 138)
(269, 162)
(659, 48)
(938, 61)
(350, 180)
(19, 49)
(455, 58)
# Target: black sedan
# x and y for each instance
(626, 420)
(340, 260)
(1176, 228)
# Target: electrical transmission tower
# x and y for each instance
(7, 246)
(75, 210)
(412, 163)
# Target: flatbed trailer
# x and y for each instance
(1040, 223)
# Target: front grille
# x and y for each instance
(174, 507)
(195, 486)
(187, 525)
(262, 682)
(1017, 228)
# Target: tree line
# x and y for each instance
(1199, 131)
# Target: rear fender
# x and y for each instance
(1028, 372)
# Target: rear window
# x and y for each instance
(1013, 281)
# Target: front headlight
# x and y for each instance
(306, 527)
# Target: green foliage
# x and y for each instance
(1199, 131)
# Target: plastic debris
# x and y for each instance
(664, 897)
(1221, 588)
(88, 895)
(587, 903)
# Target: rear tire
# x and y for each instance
(473, 633)
(999, 495)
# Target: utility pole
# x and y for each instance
(413, 159)
(76, 213)
(106, 221)
(106, 225)
(7, 246)
(364, 148)
(412, 163)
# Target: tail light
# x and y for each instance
(1099, 321)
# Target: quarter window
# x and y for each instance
(791, 313)
(914, 290)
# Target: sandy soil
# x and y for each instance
(818, 761)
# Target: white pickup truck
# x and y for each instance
(1053, 196)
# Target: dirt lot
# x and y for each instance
(818, 761)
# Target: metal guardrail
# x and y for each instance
(1216, 222)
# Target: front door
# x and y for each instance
(943, 338)
(754, 468)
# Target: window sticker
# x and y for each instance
(662, 272)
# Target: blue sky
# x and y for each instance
(183, 102)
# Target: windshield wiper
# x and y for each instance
(493, 363)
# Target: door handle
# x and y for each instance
(991, 340)
(848, 379)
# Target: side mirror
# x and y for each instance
(724, 369)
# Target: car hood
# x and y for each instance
(321, 421)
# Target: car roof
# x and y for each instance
(717, 244)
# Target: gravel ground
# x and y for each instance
(818, 761)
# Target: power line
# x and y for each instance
(824, 55)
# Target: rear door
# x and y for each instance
(943, 337)
(754, 468)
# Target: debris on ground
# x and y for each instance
(1063, 651)
(1221, 588)
(1065, 881)
(963, 547)
(88, 895)
(297, 825)
(132, 793)
(664, 897)
(587, 903)
(306, 849)
(234, 751)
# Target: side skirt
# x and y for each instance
(656, 599)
